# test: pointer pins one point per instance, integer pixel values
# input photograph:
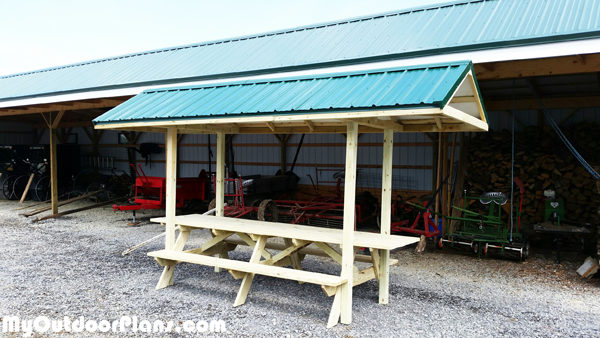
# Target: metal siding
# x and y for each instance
(425, 86)
(459, 26)
(24, 136)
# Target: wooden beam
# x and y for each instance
(573, 64)
(271, 126)
(220, 176)
(70, 105)
(310, 125)
(438, 123)
(170, 178)
(381, 123)
(278, 118)
(53, 172)
(349, 222)
(386, 213)
(57, 119)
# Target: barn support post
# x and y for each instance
(52, 126)
(349, 222)
(386, 213)
(171, 182)
(53, 172)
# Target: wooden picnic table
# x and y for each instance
(264, 262)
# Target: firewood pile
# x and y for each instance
(541, 162)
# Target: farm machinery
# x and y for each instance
(149, 191)
(418, 220)
(484, 226)
(264, 198)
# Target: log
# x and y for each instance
(542, 162)
(71, 200)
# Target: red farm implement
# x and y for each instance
(149, 191)
(422, 222)
(243, 201)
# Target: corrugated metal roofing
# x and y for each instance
(446, 28)
(418, 86)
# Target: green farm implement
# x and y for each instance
(484, 226)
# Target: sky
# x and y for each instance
(37, 34)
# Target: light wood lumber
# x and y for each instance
(260, 269)
(309, 250)
(247, 280)
(27, 188)
(349, 222)
(386, 215)
(334, 314)
(170, 190)
(286, 230)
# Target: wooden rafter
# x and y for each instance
(573, 64)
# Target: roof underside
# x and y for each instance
(453, 27)
(435, 97)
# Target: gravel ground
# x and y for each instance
(72, 267)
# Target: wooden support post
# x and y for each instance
(220, 179)
(171, 182)
(53, 172)
(349, 220)
(220, 176)
(386, 213)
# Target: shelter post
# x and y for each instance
(386, 213)
(171, 182)
(220, 177)
(220, 182)
(349, 219)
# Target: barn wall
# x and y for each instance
(13, 133)
(321, 155)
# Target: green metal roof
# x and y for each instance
(405, 87)
(438, 29)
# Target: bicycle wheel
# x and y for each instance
(7, 183)
(41, 189)
(19, 186)
(7, 187)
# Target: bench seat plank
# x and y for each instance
(256, 268)
(287, 230)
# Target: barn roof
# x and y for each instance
(424, 31)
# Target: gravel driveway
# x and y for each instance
(73, 267)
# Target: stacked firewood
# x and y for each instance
(542, 162)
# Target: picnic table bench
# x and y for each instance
(296, 240)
